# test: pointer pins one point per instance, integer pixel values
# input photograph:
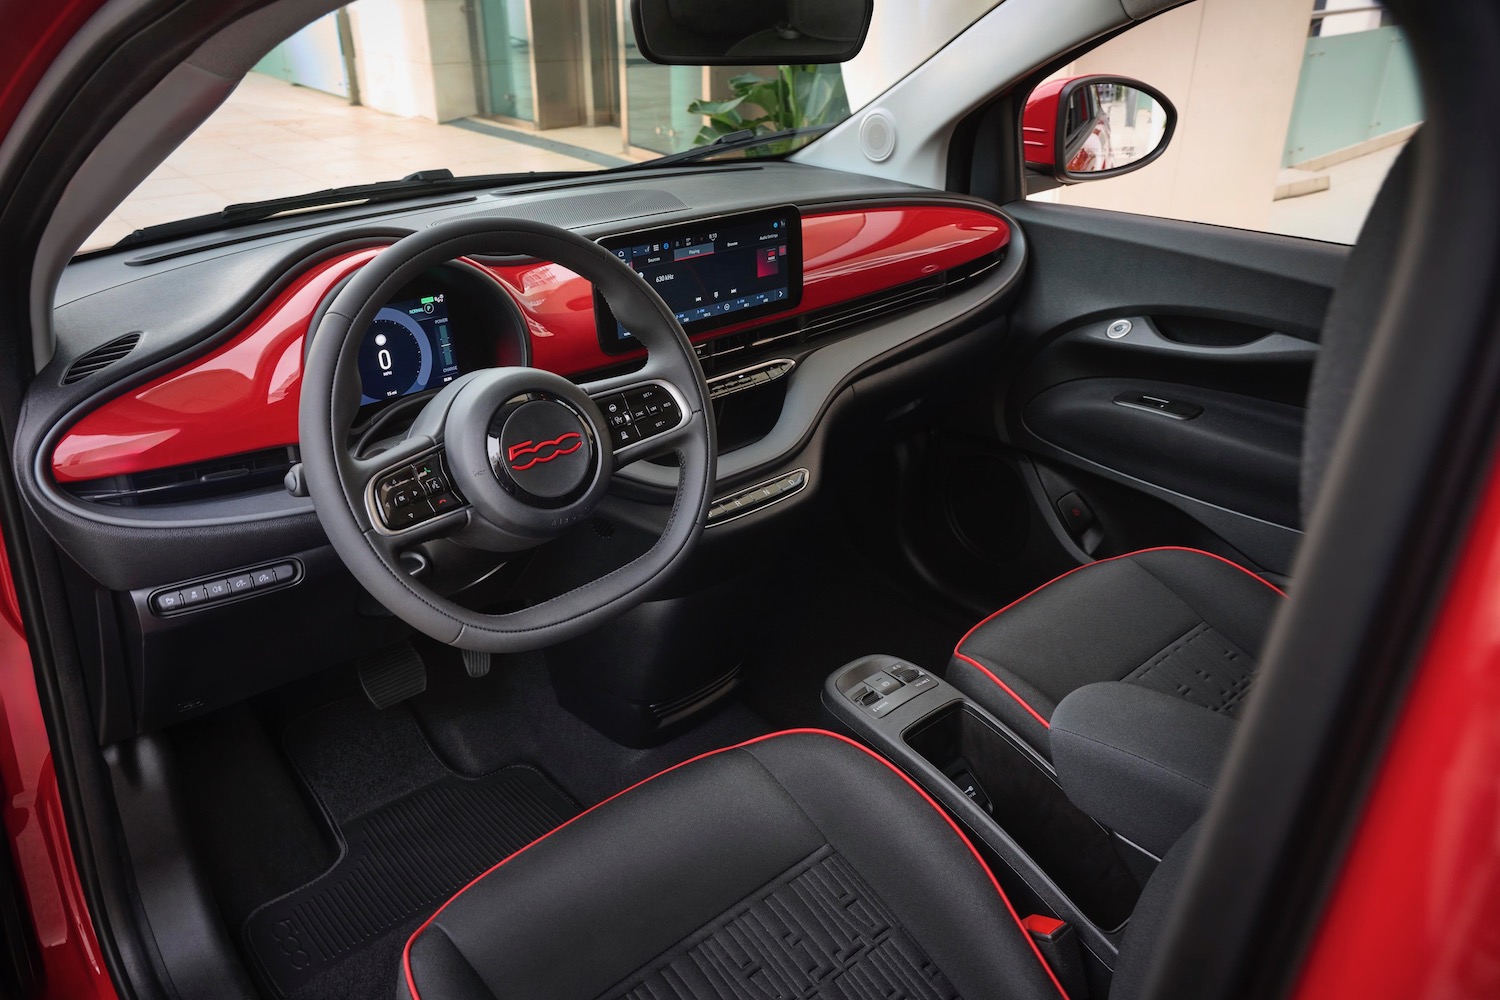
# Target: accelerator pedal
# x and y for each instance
(392, 675)
(477, 664)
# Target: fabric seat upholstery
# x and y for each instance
(1175, 620)
(796, 865)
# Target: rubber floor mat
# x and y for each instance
(400, 863)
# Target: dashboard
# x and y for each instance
(159, 434)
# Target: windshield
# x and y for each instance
(380, 90)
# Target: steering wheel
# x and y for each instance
(505, 458)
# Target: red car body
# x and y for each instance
(1086, 144)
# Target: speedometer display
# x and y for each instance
(408, 349)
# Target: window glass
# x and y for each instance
(1289, 117)
(380, 89)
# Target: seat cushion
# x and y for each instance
(1176, 620)
(795, 865)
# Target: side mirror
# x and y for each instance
(1091, 127)
(750, 32)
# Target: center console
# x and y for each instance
(1052, 858)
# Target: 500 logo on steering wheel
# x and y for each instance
(542, 457)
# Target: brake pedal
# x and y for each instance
(477, 664)
(392, 675)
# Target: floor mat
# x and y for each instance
(414, 833)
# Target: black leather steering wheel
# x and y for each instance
(504, 458)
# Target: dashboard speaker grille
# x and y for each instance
(101, 357)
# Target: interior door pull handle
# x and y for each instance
(1176, 409)
(1140, 334)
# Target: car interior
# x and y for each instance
(743, 577)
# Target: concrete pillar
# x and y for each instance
(414, 58)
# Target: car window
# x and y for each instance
(1289, 117)
(381, 89)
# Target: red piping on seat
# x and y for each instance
(1160, 548)
(406, 952)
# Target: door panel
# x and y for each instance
(1171, 359)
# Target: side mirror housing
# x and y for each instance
(750, 32)
(1091, 127)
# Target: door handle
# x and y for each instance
(1138, 333)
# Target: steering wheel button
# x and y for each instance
(442, 503)
(621, 436)
(615, 406)
(656, 424)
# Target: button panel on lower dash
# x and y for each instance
(756, 497)
(725, 385)
(184, 597)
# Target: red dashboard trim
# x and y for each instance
(243, 395)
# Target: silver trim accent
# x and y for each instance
(802, 477)
(777, 368)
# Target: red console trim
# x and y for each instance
(243, 395)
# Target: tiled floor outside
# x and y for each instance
(272, 139)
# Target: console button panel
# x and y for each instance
(755, 498)
(884, 691)
(749, 378)
(195, 595)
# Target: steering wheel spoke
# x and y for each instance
(409, 494)
(644, 415)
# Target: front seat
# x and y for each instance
(1185, 622)
(795, 865)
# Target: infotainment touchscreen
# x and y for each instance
(714, 273)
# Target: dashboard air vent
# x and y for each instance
(101, 357)
(216, 477)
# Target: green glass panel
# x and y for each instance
(507, 47)
(1353, 87)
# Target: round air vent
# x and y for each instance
(877, 135)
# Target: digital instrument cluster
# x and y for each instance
(408, 349)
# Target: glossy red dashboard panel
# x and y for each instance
(243, 395)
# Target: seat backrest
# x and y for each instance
(1350, 322)
(1345, 343)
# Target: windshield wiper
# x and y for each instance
(422, 182)
(729, 142)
